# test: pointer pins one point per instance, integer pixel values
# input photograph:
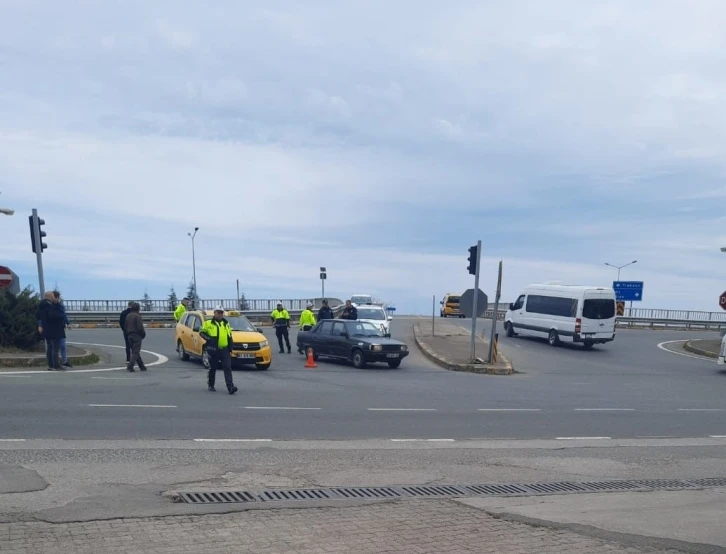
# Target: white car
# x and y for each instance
(377, 316)
(361, 300)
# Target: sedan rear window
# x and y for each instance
(598, 309)
(452, 300)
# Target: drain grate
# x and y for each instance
(445, 491)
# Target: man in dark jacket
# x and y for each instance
(350, 311)
(122, 324)
(325, 312)
(134, 327)
(52, 329)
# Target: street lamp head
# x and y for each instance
(634, 262)
(196, 229)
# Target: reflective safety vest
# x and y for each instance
(307, 318)
(280, 317)
(219, 333)
(180, 309)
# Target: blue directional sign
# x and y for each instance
(390, 308)
(628, 290)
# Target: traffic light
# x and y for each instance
(41, 233)
(473, 256)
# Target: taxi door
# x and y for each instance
(195, 341)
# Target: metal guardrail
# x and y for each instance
(653, 322)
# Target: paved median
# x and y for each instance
(76, 356)
(449, 344)
(706, 347)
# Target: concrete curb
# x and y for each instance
(700, 351)
(88, 358)
(504, 369)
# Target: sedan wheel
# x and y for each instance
(358, 359)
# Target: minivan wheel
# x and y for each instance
(509, 328)
(588, 344)
(554, 338)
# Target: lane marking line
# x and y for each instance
(509, 410)
(423, 440)
(161, 359)
(402, 409)
(604, 409)
(717, 436)
(232, 440)
(12, 440)
(119, 378)
(130, 406)
(701, 410)
(278, 408)
(656, 437)
(662, 347)
(13, 375)
(582, 438)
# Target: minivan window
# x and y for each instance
(552, 305)
(598, 308)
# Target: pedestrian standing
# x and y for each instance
(349, 311)
(325, 312)
(218, 342)
(307, 320)
(66, 325)
(51, 328)
(281, 321)
(122, 324)
(136, 334)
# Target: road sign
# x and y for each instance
(390, 309)
(6, 277)
(466, 303)
(722, 300)
(621, 308)
(628, 290)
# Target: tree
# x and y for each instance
(146, 304)
(172, 299)
(243, 304)
(192, 293)
(18, 326)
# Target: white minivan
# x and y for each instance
(564, 313)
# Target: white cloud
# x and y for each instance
(378, 139)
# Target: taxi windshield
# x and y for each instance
(240, 323)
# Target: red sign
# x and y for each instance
(722, 300)
(6, 278)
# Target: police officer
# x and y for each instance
(181, 308)
(325, 312)
(307, 320)
(281, 321)
(218, 336)
(350, 311)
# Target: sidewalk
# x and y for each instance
(76, 356)
(418, 527)
(449, 347)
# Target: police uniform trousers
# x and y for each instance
(220, 358)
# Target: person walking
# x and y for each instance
(281, 321)
(51, 328)
(325, 312)
(350, 311)
(307, 320)
(122, 324)
(181, 308)
(66, 325)
(136, 334)
(218, 336)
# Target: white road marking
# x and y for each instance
(582, 438)
(662, 347)
(161, 360)
(509, 410)
(130, 406)
(656, 437)
(701, 409)
(12, 440)
(278, 408)
(604, 409)
(401, 409)
(423, 440)
(717, 436)
(13, 375)
(119, 378)
(232, 440)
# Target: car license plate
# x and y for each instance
(248, 356)
(391, 355)
(589, 335)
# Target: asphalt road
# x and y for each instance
(628, 389)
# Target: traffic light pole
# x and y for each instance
(472, 347)
(38, 252)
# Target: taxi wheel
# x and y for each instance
(262, 366)
(182, 353)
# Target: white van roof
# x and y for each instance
(567, 288)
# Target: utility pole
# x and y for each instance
(194, 268)
(472, 346)
(239, 307)
(495, 317)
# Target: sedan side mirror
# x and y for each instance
(259, 329)
(388, 335)
(511, 306)
(343, 334)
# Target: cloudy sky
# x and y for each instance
(379, 139)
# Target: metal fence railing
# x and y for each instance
(253, 305)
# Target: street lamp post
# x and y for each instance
(194, 267)
(619, 267)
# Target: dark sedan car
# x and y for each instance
(357, 341)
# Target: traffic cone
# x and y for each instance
(311, 361)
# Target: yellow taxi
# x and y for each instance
(249, 345)
(450, 306)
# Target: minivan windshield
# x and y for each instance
(598, 308)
